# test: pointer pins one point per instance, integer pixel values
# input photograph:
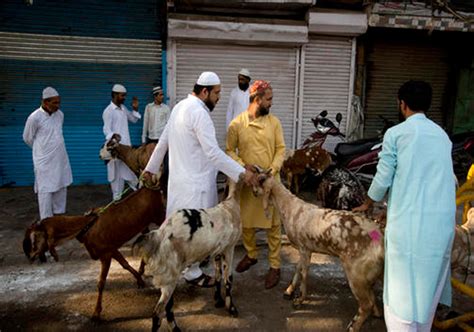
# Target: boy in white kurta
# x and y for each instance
(44, 134)
(415, 167)
(116, 117)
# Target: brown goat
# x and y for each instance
(102, 234)
(298, 162)
(135, 158)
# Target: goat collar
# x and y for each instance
(85, 229)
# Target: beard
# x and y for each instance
(263, 111)
(243, 86)
(210, 105)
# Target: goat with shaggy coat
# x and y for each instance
(189, 236)
(102, 234)
(354, 238)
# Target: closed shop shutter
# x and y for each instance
(326, 80)
(83, 70)
(275, 64)
(392, 63)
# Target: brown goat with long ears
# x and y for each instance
(102, 234)
(135, 158)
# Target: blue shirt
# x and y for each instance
(415, 167)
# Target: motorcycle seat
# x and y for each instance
(357, 147)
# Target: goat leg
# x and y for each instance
(170, 315)
(122, 261)
(290, 291)
(160, 308)
(105, 266)
(141, 269)
(228, 280)
(219, 301)
(305, 258)
(53, 252)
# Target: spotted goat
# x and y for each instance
(354, 238)
(298, 162)
(187, 237)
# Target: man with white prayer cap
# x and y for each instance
(194, 158)
(155, 117)
(239, 97)
(44, 134)
(116, 117)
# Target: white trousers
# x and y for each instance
(396, 324)
(52, 203)
(117, 186)
(192, 272)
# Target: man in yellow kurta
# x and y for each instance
(255, 137)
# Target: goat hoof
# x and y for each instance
(95, 319)
(176, 329)
(233, 312)
(297, 303)
(219, 303)
(288, 296)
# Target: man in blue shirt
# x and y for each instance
(415, 167)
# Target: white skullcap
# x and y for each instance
(244, 72)
(208, 78)
(157, 89)
(119, 88)
(50, 92)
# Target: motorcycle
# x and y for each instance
(360, 157)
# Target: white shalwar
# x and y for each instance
(116, 122)
(44, 134)
(194, 159)
(238, 102)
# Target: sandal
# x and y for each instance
(203, 281)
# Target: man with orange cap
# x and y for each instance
(255, 137)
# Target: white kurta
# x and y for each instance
(44, 134)
(154, 121)
(116, 122)
(194, 157)
(238, 102)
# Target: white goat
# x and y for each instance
(187, 237)
(354, 238)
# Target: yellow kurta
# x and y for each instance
(261, 143)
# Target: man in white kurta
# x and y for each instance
(155, 117)
(44, 134)
(194, 156)
(239, 97)
(116, 117)
(415, 167)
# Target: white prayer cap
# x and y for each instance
(244, 72)
(50, 92)
(157, 89)
(119, 88)
(208, 78)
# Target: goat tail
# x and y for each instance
(144, 246)
(27, 245)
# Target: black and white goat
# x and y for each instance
(187, 237)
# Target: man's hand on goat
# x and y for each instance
(367, 205)
(249, 177)
(146, 177)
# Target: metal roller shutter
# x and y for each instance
(275, 64)
(83, 70)
(327, 64)
(392, 63)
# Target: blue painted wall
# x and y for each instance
(137, 19)
(84, 87)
